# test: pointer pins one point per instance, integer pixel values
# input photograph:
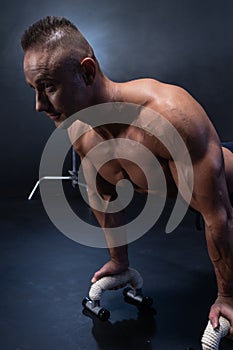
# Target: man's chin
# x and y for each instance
(62, 123)
(58, 123)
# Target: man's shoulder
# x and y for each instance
(172, 102)
(165, 93)
(152, 92)
(169, 100)
(180, 108)
(83, 137)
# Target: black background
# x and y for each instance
(183, 42)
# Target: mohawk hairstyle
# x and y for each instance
(56, 31)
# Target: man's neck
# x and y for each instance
(107, 90)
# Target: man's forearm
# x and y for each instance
(220, 247)
(116, 239)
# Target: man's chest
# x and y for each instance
(133, 155)
(126, 159)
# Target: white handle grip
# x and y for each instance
(211, 337)
(129, 276)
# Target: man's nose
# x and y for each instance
(42, 102)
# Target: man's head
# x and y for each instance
(61, 66)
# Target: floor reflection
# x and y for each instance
(130, 334)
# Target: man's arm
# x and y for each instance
(107, 192)
(212, 200)
(210, 194)
(118, 253)
(210, 197)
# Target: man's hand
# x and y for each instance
(223, 306)
(110, 268)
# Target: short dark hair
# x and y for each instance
(60, 31)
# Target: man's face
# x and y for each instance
(60, 90)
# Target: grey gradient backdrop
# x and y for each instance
(183, 42)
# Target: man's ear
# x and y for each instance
(88, 70)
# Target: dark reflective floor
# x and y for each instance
(45, 276)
